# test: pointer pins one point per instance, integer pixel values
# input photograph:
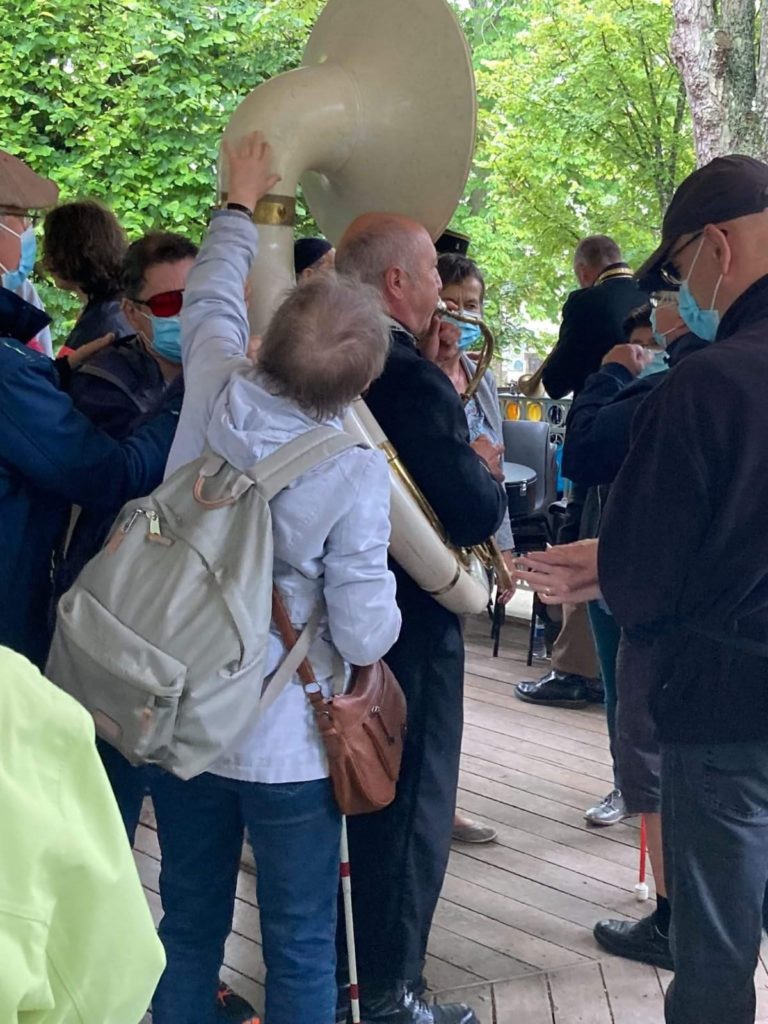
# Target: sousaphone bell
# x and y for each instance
(380, 117)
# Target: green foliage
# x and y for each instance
(582, 124)
(583, 130)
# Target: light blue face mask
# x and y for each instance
(13, 279)
(470, 333)
(166, 336)
(657, 365)
(702, 322)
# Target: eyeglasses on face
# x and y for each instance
(668, 270)
(164, 304)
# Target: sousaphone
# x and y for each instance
(380, 117)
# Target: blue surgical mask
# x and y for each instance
(13, 279)
(702, 322)
(657, 365)
(166, 336)
(470, 333)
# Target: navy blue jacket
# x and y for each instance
(52, 457)
(599, 424)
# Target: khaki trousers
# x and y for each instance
(574, 650)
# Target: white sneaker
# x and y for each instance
(609, 811)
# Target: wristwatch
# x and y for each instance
(240, 208)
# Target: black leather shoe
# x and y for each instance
(636, 940)
(558, 689)
(400, 1005)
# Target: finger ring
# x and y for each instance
(548, 592)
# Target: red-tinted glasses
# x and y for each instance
(164, 303)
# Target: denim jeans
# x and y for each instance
(607, 634)
(714, 805)
(130, 783)
(295, 830)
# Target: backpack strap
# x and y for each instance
(278, 470)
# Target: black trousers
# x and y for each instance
(399, 855)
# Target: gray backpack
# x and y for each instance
(163, 635)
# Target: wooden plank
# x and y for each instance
(506, 721)
(500, 737)
(588, 864)
(532, 893)
(610, 897)
(476, 957)
(528, 781)
(578, 996)
(502, 694)
(480, 998)
(634, 994)
(484, 744)
(442, 976)
(519, 798)
(526, 949)
(554, 942)
(595, 841)
(525, 1001)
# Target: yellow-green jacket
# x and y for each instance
(77, 943)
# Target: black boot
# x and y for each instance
(636, 940)
(401, 1005)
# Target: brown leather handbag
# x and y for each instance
(363, 730)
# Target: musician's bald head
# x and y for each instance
(396, 255)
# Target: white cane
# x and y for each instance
(346, 889)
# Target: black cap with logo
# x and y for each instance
(724, 189)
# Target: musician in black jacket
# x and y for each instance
(592, 316)
(399, 856)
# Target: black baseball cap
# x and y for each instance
(724, 189)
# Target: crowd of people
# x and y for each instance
(659, 569)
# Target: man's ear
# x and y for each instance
(393, 282)
(132, 315)
(722, 247)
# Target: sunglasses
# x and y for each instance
(668, 270)
(164, 303)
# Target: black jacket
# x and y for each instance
(99, 317)
(591, 324)
(599, 424)
(115, 387)
(421, 414)
(683, 554)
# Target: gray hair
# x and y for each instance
(597, 252)
(372, 251)
(325, 344)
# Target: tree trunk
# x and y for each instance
(715, 47)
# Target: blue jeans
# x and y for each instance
(607, 635)
(295, 831)
(714, 806)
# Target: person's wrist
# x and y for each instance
(240, 205)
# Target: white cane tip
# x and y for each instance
(641, 892)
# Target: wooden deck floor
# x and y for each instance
(513, 930)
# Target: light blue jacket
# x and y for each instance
(331, 527)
